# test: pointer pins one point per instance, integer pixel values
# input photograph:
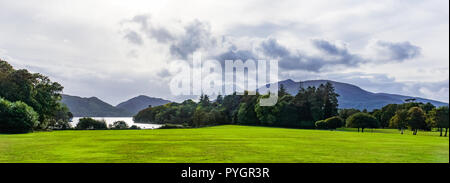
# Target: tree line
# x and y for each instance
(410, 115)
(310, 108)
(300, 111)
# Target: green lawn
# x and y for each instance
(229, 144)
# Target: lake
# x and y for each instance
(110, 120)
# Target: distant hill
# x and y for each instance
(352, 96)
(139, 103)
(92, 107)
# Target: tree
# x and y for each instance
(17, 117)
(334, 122)
(219, 99)
(91, 124)
(416, 119)
(345, 113)
(441, 118)
(427, 107)
(200, 117)
(362, 120)
(387, 112)
(246, 113)
(399, 120)
(322, 125)
(286, 113)
(36, 90)
(330, 104)
(267, 115)
(61, 118)
(119, 125)
(282, 91)
(204, 100)
(134, 127)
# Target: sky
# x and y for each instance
(116, 50)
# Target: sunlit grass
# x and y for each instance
(228, 144)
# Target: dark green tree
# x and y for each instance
(330, 103)
(17, 117)
(334, 122)
(400, 120)
(119, 125)
(416, 119)
(441, 118)
(361, 121)
(91, 124)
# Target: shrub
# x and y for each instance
(91, 124)
(17, 117)
(134, 127)
(321, 124)
(334, 122)
(119, 125)
(171, 126)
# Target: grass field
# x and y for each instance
(229, 144)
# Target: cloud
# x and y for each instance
(160, 34)
(394, 52)
(271, 48)
(86, 43)
(197, 35)
(331, 55)
(134, 37)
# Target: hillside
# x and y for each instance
(352, 96)
(92, 107)
(139, 103)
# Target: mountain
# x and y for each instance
(352, 96)
(92, 107)
(139, 103)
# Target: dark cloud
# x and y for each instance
(273, 49)
(160, 34)
(197, 35)
(243, 55)
(398, 51)
(332, 55)
(164, 73)
(134, 37)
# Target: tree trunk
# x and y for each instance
(446, 129)
(362, 130)
(402, 131)
(358, 130)
(440, 129)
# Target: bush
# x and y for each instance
(334, 122)
(321, 124)
(119, 125)
(91, 124)
(134, 127)
(171, 126)
(17, 117)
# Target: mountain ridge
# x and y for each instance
(91, 107)
(352, 96)
(141, 102)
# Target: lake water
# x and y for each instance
(109, 121)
